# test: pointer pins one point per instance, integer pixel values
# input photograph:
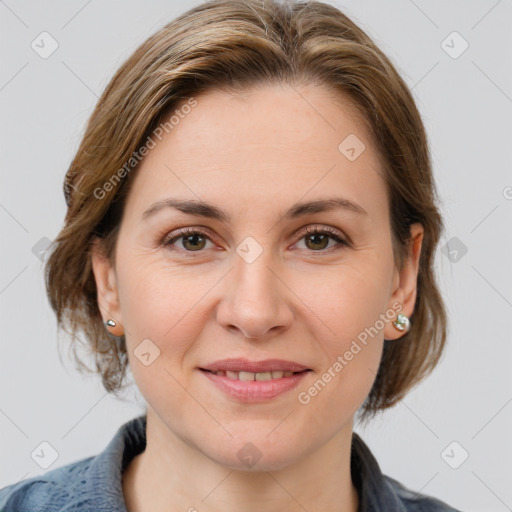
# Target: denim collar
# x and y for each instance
(105, 472)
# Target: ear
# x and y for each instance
(106, 285)
(405, 282)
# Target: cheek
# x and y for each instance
(352, 356)
(348, 299)
(351, 305)
(165, 304)
(159, 299)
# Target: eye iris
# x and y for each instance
(196, 241)
(316, 236)
(193, 237)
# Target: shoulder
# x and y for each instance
(48, 492)
(379, 492)
(90, 484)
(416, 502)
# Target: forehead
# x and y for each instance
(269, 142)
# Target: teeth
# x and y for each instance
(248, 376)
(263, 376)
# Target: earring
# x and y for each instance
(402, 323)
(116, 330)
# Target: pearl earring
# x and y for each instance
(116, 330)
(402, 323)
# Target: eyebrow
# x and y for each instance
(204, 209)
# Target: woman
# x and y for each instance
(251, 229)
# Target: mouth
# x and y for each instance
(254, 381)
(254, 376)
(242, 366)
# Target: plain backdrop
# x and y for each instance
(450, 437)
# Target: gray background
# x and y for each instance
(466, 104)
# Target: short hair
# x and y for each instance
(234, 45)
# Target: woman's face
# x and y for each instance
(253, 285)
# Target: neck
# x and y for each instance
(172, 475)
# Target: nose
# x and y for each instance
(256, 300)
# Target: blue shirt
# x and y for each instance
(94, 484)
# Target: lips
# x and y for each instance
(250, 376)
(254, 381)
(245, 366)
(254, 391)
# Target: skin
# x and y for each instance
(254, 155)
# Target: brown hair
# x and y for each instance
(234, 45)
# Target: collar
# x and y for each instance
(105, 472)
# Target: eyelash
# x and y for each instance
(309, 230)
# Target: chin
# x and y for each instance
(256, 454)
(253, 460)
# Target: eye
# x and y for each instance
(317, 238)
(194, 240)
